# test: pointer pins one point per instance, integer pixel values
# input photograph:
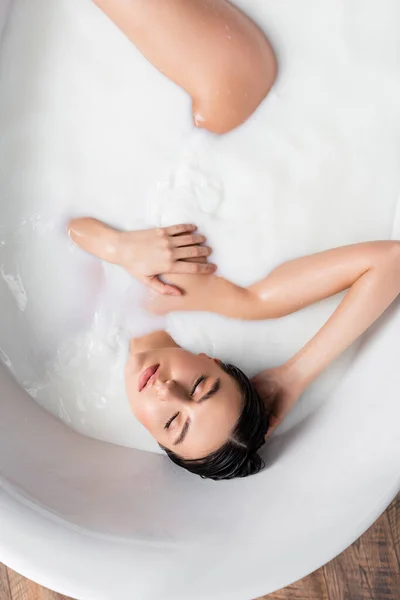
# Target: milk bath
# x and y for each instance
(88, 127)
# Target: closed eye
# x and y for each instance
(198, 381)
(169, 422)
(211, 392)
(186, 426)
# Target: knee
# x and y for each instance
(229, 99)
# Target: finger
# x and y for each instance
(191, 252)
(273, 424)
(180, 229)
(198, 259)
(193, 268)
(187, 240)
(162, 288)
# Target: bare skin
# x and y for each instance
(208, 47)
(369, 271)
(145, 254)
(190, 404)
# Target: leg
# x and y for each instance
(208, 47)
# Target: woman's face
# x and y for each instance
(186, 401)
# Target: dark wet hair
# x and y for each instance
(238, 457)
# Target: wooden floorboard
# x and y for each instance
(312, 587)
(394, 520)
(23, 589)
(5, 592)
(368, 570)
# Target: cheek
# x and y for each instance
(144, 409)
(144, 413)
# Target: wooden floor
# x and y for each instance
(369, 570)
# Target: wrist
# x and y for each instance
(118, 247)
(296, 375)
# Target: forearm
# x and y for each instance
(363, 304)
(203, 293)
(371, 274)
(96, 238)
(299, 283)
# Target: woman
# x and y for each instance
(208, 416)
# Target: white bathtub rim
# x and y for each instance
(23, 523)
(12, 553)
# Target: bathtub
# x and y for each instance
(96, 521)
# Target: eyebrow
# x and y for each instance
(183, 433)
(186, 426)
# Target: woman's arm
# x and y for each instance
(147, 253)
(370, 271)
(208, 47)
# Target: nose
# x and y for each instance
(169, 390)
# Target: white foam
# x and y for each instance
(89, 127)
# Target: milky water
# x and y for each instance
(88, 127)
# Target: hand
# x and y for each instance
(280, 391)
(149, 253)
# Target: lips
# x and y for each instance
(147, 375)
